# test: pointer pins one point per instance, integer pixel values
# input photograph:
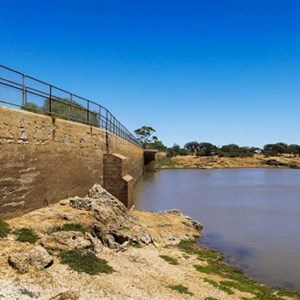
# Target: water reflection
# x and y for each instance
(251, 215)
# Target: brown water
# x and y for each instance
(251, 215)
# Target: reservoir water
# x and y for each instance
(251, 215)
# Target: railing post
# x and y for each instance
(23, 91)
(99, 116)
(88, 112)
(106, 121)
(70, 107)
(50, 99)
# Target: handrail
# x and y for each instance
(63, 107)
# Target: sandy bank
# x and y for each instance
(215, 162)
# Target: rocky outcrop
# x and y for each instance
(30, 256)
(103, 225)
(116, 226)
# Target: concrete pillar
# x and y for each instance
(116, 179)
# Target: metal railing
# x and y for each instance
(31, 94)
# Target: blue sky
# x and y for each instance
(214, 70)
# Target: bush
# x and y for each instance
(85, 261)
(170, 260)
(180, 289)
(4, 229)
(72, 227)
(26, 235)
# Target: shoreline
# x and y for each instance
(215, 162)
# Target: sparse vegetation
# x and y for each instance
(85, 261)
(180, 289)
(233, 278)
(26, 235)
(166, 162)
(190, 247)
(219, 286)
(72, 227)
(170, 260)
(4, 229)
(211, 298)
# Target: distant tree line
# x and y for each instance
(232, 150)
(145, 136)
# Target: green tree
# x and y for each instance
(144, 134)
(275, 149)
(207, 149)
(191, 147)
(233, 150)
(176, 150)
(293, 149)
(156, 144)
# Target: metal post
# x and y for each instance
(23, 91)
(106, 121)
(70, 107)
(50, 100)
(88, 112)
(99, 116)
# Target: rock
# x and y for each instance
(114, 223)
(188, 221)
(293, 166)
(64, 202)
(69, 295)
(65, 240)
(276, 163)
(96, 191)
(170, 238)
(68, 217)
(97, 246)
(20, 261)
(35, 256)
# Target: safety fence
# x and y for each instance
(31, 94)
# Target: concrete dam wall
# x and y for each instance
(44, 159)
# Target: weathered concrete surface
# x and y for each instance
(43, 159)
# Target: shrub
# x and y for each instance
(180, 289)
(170, 260)
(26, 235)
(85, 261)
(4, 229)
(72, 227)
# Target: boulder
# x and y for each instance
(65, 240)
(34, 256)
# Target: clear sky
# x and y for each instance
(221, 71)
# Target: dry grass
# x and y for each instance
(215, 162)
